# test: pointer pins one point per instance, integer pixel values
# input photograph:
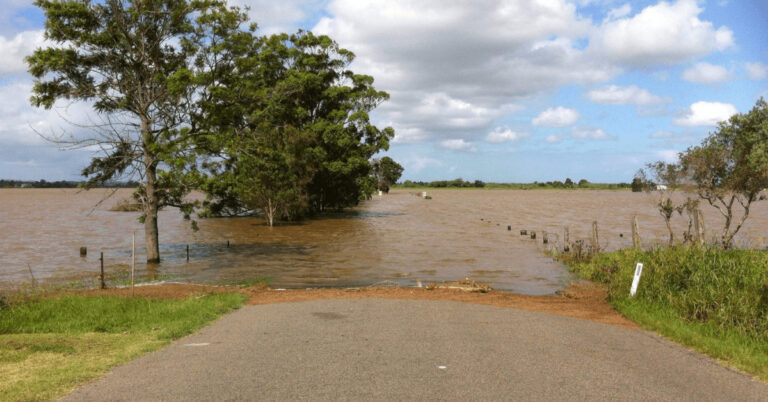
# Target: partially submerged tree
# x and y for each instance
(273, 172)
(730, 167)
(135, 61)
(386, 171)
(297, 84)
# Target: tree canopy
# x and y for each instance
(290, 105)
(136, 62)
(730, 167)
(729, 170)
(387, 172)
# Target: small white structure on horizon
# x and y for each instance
(661, 187)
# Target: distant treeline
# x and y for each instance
(567, 184)
(59, 184)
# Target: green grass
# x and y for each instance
(714, 301)
(49, 345)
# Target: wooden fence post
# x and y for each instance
(101, 262)
(636, 243)
(566, 239)
(595, 239)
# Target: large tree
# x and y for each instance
(142, 65)
(291, 105)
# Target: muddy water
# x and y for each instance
(399, 237)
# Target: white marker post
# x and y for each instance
(636, 280)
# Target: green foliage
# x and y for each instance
(387, 172)
(726, 288)
(730, 167)
(288, 103)
(139, 63)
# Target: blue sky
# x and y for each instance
(497, 90)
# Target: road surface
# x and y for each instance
(382, 349)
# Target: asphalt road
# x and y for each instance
(378, 349)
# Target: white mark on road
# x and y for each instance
(196, 344)
(442, 367)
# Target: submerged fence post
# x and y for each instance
(566, 239)
(101, 262)
(545, 237)
(187, 252)
(578, 249)
(636, 243)
(595, 239)
(83, 251)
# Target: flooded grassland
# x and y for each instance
(399, 237)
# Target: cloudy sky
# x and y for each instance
(498, 90)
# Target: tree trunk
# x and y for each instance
(151, 204)
(269, 211)
(671, 232)
(150, 220)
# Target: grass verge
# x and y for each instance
(51, 344)
(713, 301)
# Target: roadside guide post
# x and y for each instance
(636, 280)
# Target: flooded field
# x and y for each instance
(398, 237)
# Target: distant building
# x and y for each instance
(661, 187)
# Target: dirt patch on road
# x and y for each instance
(581, 300)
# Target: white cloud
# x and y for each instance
(705, 73)
(586, 133)
(618, 12)
(553, 138)
(706, 114)
(458, 145)
(556, 117)
(479, 59)
(417, 163)
(504, 134)
(13, 51)
(757, 71)
(665, 33)
(20, 122)
(616, 95)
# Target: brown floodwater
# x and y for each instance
(399, 238)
